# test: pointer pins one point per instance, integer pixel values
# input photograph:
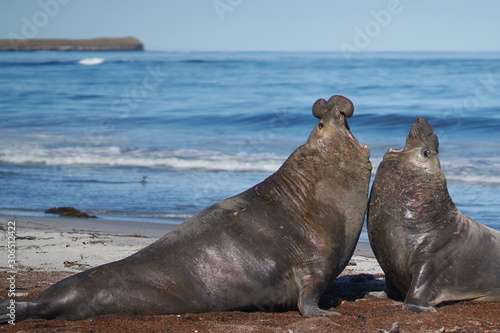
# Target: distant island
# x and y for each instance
(95, 44)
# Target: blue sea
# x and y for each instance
(84, 129)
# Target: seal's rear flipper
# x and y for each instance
(17, 311)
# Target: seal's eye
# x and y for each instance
(320, 126)
(427, 153)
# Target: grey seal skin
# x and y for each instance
(430, 252)
(280, 243)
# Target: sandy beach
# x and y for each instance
(46, 243)
(51, 248)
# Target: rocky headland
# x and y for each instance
(95, 44)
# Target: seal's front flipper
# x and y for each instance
(311, 287)
(418, 308)
(308, 306)
(311, 310)
(420, 296)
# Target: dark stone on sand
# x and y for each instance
(68, 212)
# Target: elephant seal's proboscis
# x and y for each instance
(278, 244)
(430, 252)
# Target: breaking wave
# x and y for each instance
(91, 61)
(181, 159)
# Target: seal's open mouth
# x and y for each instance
(420, 134)
(350, 136)
(338, 109)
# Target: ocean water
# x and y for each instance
(82, 129)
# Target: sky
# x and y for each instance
(264, 25)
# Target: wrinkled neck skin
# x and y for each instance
(420, 199)
(325, 168)
(306, 171)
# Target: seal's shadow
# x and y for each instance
(349, 288)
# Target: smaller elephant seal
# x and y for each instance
(278, 244)
(430, 252)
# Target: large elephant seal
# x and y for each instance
(430, 252)
(280, 243)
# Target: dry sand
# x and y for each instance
(51, 248)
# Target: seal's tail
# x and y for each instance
(12, 311)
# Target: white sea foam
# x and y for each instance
(471, 170)
(481, 170)
(91, 61)
(477, 179)
(117, 157)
